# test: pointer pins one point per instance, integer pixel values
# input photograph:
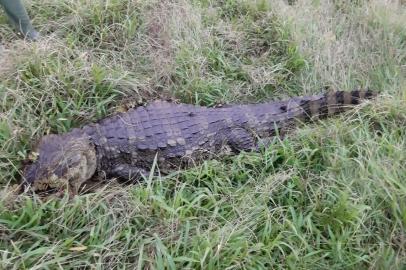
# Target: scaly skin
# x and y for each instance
(176, 135)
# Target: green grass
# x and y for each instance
(332, 195)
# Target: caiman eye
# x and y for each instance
(30, 159)
(33, 156)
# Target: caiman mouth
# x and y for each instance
(50, 183)
(61, 163)
(41, 184)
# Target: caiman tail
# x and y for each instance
(327, 104)
(323, 105)
(280, 114)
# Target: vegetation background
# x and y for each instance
(330, 196)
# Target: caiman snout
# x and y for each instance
(61, 162)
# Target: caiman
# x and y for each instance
(171, 136)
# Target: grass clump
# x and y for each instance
(332, 194)
(241, 51)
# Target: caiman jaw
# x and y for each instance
(63, 163)
(75, 176)
(51, 183)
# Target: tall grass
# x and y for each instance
(332, 195)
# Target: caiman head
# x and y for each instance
(61, 162)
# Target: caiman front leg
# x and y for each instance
(128, 173)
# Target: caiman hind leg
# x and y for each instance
(240, 139)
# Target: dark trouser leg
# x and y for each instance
(19, 18)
